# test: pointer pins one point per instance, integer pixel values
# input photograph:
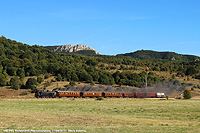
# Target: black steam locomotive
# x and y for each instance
(44, 94)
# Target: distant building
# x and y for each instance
(173, 58)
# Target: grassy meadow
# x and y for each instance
(109, 115)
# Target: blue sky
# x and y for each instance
(109, 26)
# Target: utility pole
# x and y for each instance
(18, 89)
(146, 80)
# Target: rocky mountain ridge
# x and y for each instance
(70, 48)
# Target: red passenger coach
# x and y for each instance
(150, 95)
(67, 94)
(91, 94)
(112, 94)
(129, 95)
(139, 95)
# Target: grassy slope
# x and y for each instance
(119, 115)
(6, 92)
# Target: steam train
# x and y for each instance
(81, 94)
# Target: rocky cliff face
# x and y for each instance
(70, 48)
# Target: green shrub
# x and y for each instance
(31, 83)
(59, 77)
(72, 83)
(46, 76)
(2, 80)
(15, 83)
(187, 94)
(173, 76)
(40, 79)
(167, 97)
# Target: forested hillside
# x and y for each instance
(19, 60)
(152, 55)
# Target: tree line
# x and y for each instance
(21, 60)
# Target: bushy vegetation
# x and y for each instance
(21, 60)
(31, 83)
(15, 83)
(40, 79)
(187, 94)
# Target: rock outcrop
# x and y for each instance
(70, 48)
